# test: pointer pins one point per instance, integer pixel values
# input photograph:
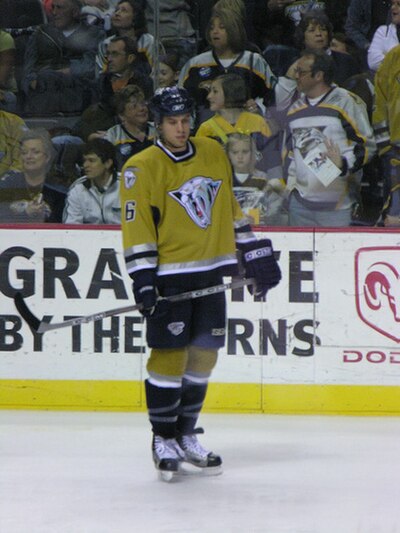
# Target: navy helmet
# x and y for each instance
(170, 101)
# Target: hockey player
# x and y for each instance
(180, 222)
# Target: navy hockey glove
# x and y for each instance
(145, 291)
(259, 263)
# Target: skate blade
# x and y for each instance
(189, 469)
(167, 475)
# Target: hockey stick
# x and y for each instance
(41, 326)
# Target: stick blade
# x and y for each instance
(32, 321)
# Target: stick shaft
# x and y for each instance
(42, 326)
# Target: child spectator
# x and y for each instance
(168, 72)
(260, 198)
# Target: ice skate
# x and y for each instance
(167, 457)
(195, 454)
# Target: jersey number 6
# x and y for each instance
(130, 208)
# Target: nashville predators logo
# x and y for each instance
(197, 196)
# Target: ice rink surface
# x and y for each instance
(68, 472)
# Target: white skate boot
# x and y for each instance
(167, 457)
(197, 455)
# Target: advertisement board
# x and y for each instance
(333, 322)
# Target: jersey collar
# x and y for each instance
(177, 157)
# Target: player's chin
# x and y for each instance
(181, 142)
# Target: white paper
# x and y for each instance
(320, 165)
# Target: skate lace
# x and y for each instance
(167, 448)
(193, 446)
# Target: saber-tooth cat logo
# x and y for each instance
(197, 196)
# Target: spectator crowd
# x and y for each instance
(302, 95)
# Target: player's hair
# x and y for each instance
(125, 95)
(139, 20)
(104, 149)
(314, 16)
(234, 87)
(234, 27)
(322, 63)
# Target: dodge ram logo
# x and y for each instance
(378, 289)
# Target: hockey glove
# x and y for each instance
(259, 263)
(145, 291)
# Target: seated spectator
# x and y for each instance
(8, 85)
(59, 62)
(11, 129)
(168, 72)
(260, 198)
(94, 198)
(28, 195)
(314, 32)
(227, 98)
(176, 32)
(385, 38)
(128, 20)
(363, 18)
(124, 68)
(227, 38)
(132, 135)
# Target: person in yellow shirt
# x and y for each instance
(227, 98)
(11, 129)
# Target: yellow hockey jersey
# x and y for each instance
(179, 213)
(386, 116)
(248, 123)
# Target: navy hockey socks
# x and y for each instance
(193, 395)
(163, 407)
